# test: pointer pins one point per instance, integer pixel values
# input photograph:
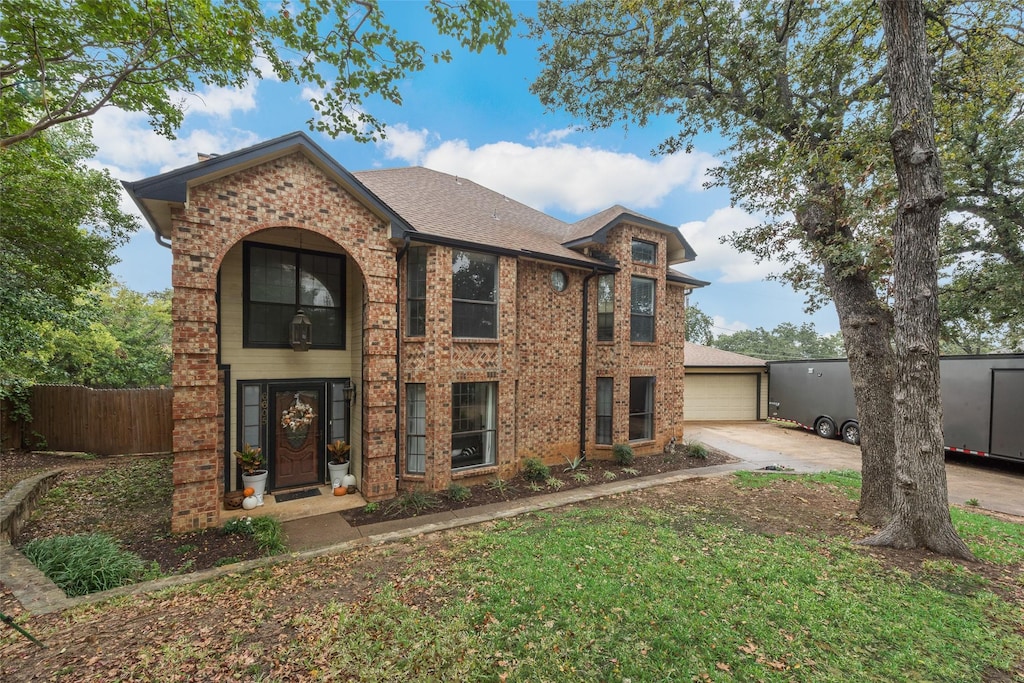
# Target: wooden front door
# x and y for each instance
(297, 458)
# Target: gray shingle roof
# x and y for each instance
(699, 356)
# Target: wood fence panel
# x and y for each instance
(102, 421)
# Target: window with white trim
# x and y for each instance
(474, 424)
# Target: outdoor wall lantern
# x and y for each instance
(301, 332)
(349, 390)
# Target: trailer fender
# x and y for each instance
(825, 427)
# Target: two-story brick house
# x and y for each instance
(454, 331)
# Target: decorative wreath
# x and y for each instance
(299, 415)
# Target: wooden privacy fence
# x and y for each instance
(101, 421)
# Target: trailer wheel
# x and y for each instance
(825, 428)
(851, 433)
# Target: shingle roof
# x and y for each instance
(447, 206)
(699, 356)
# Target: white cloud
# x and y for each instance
(220, 102)
(720, 326)
(552, 136)
(579, 180)
(405, 144)
(734, 266)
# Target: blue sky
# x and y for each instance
(475, 117)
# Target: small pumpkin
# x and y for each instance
(249, 503)
(249, 491)
(340, 491)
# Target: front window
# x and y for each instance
(641, 408)
(416, 292)
(642, 310)
(474, 420)
(474, 295)
(279, 282)
(416, 428)
(645, 252)
(606, 308)
(605, 386)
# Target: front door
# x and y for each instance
(297, 435)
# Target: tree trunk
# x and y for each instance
(920, 502)
(866, 325)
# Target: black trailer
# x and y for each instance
(982, 401)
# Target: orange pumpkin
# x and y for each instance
(340, 491)
(249, 492)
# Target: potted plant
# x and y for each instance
(254, 476)
(338, 461)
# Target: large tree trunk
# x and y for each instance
(866, 324)
(921, 506)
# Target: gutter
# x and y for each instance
(583, 364)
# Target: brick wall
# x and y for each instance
(287, 192)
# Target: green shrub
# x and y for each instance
(85, 563)
(554, 483)
(413, 502)
(623, 453)
(695, 449)
(370, 508)
(534, 469)
(501, 486)
(458, 493)
(266, 531)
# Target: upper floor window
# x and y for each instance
(645, 252)
(641, 303)
(279, 281)
(605, 308)
(416, 292)
(474, 295)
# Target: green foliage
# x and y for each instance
(610, 476)
(266, 531)
(695, 449)
(85, 563)
(623, 454)
(534, 469)
(699, 326)
(574, 464)
(785, 342)
(459, 493)
(581, 477)
(502, 486)
(554, 483)
(632, 471)
(142, 57)
(413, 501)
(371, 507)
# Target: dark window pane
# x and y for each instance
(416, 292)
(641, 408)
(268, 323)
(474, 320)
(604, 410)
(474, 420)
(327, 326)
(645, 252)
(416, 428)
(271, 276)
(606, 308)
(474, 276)
(641, 329)
(417, 326)
(642, 309)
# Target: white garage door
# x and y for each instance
(720, 397)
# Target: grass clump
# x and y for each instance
(623, 454)
(458, 493)
(266, 531)
(502, 486)
(414, 501)
(86, 563)
(695, 449)
(535, 470)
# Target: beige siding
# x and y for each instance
(285, 364)
(724, 396)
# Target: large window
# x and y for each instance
(641, 408)
(642, 310)
(416, 428)
(605, 386)
(645, 252)
(605, 308)
(474, 295)
(280, 281)
(416, 292)
(474, 420)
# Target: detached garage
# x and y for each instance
(724, 386)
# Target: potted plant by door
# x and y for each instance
(250, 461)
(338, 461)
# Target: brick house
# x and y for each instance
(455, 332)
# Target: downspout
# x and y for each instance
(583, 364)
(398, 362)
(161, 240)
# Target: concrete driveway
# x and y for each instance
(995, 485)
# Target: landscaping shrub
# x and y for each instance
(623, 453)
(266, 531)
(458, 493)
(695, 449)
(535, 470)
(85, 563)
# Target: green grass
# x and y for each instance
(266, 531)
(86, 563)
(609, 595)
(847, 481)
